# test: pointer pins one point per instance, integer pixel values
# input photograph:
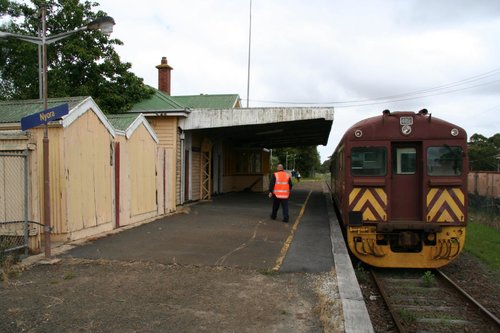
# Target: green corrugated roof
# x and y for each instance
(158, 102)
(226, 101)
(13, 111)
(122, 121)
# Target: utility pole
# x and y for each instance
(249, 48)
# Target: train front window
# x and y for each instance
(444, 161)
(405, 161)
(368, 161)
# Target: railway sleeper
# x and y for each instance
(431, 308)
(437, 299)
(444, 321)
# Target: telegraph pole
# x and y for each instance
(249, 48)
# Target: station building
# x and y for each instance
(108, 171)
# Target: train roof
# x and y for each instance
(404, 126)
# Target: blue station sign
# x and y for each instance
(44, 117)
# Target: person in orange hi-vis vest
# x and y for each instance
(279, 189)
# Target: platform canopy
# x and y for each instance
(263, 127)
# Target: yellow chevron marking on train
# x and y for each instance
(368, 197)
(440, 201)
(460, 195)
(445, 217)
(431, 195)
(445, 197)
(382, 195)
(368, 215)
(353, 194)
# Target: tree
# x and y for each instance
(325, 166)
(305, 159)
(4, 4)
(483, 152)
(84, 64)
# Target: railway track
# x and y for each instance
(428, 301)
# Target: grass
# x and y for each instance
(361, 273)
(428, 279)
(7, 266)
(483, 242)
(407, 316)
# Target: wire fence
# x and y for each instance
(484, 192)
(486, 205)
(14, 224)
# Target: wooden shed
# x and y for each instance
(81, 166)
(163, 113)
(138, 173)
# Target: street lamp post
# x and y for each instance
(105, 24)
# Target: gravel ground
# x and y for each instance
(77, 295)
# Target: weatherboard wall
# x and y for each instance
(138, 183)
(83, 164)
(166, 131)
(142, 164)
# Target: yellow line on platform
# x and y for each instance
(288, 241)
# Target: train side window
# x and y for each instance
(444, 161)
(368, 161)
(405, 161)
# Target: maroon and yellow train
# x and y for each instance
(399, 182)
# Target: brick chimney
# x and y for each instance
(164, 70)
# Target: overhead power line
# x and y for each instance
(464, 84)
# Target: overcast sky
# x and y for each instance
(441, 55)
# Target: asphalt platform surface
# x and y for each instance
(232, 229)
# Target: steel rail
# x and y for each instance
(395, 318)
(485, 311)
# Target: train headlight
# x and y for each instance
(358, 133)
(431, 237)
(454, 132)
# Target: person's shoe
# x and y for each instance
(272, 217)
(285, 221)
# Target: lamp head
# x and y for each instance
(104, 23)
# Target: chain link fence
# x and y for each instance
(487, 205)
(484, 192)
(14, 224)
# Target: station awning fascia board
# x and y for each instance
(215, 118)
(263, 127)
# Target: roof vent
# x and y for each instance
(423, 112)
(386, 112)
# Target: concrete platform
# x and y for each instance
(356, 317)
(231, 230)
(235, 230)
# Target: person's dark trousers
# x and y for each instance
(276, 206)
